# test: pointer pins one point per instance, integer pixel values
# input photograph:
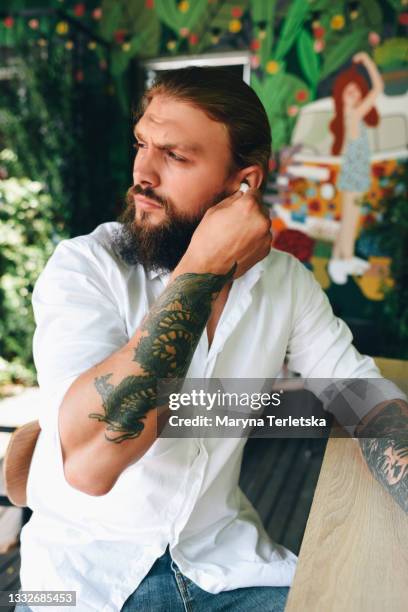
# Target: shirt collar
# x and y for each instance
(247, 280)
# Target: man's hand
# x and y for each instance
(235, 230)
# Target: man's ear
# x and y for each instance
(253, 176)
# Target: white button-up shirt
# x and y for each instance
(182, 492)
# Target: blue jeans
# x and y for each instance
(166, 589)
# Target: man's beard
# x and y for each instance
(158, 247)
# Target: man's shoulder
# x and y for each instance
(280, 266)
(86, 260)
(97, 247)
(100, 238)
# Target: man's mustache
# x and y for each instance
(146, 193)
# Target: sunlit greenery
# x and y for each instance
(28, 234)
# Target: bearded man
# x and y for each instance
(185, 285)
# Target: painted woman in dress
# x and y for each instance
(354, 109)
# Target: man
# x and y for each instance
(186, 286)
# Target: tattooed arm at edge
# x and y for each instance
(385, 448)
(170, 334)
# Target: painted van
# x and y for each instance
(309, 200)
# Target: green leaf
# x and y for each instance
(392, 51)
(298, 9)
(341, 52)
(277, 92)
(308, 58)
(111, 19)
(372, 14)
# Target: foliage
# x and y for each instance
(392, 52)
(392, 234)
(35, 112)
(28, 234)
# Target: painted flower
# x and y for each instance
(119, 36)
(293, 110)
(337, 22)
(314, 205)
(34, 24)
(378, 170)
(62, 28)
(310, 192)
(126, 47)
(255, 61)
(403, 18)
(171, 45)
(319, 32)
(271, 164)
(79, 10)
(295, 242)
(69, 45)
(149, 4)
(8, 22)
(183, 6)
(301, 95)
(235, 26)
(236, 12)
(255, 45)
(374, 39)
(193, 39)
(97, 13)
(318, 45)
(272, 67)
(184, 32)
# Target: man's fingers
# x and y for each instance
(227, 201)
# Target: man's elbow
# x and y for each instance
(85, 481)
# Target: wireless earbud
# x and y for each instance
(244, 187)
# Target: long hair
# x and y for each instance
(225, 98)
(337, 124)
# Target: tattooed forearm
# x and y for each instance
(171, 332)
(385, 448)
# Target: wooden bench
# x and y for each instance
(354, 554)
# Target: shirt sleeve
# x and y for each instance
(320, 349)
(78, 323)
